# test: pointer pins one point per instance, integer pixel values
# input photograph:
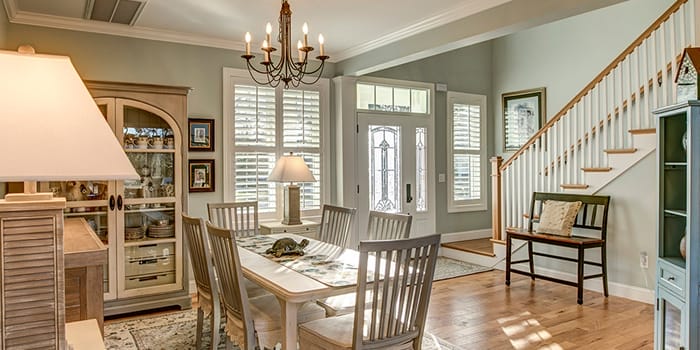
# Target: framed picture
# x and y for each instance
(523, 116)
(201, 135)
(201, 175)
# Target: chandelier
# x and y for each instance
(290, 70)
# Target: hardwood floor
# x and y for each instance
(479, 312)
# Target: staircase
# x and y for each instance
(603, 131)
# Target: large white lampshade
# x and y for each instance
(290, 168)
(50, 127)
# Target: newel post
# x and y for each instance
(496, 197)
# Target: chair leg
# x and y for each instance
(215, 324)
(604, 261)
(200, 326)
(531, 260)
(509, 244)
(579, 299)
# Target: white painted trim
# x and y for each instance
(465, 235)
(192, 286)
(80, 24)
(446, 16)
(617, 289)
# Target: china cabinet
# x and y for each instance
(677, 318)
(139, 220)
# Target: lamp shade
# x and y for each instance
(291, 168)
(50, 127)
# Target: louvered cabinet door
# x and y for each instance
(31, 280)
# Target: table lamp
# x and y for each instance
(291, 168)
(50, 130)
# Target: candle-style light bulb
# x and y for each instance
(320, 44)
(268, 31)
(265, 45)
(247, 43)
(305, 29)
(301, 53)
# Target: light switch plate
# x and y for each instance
(441, 177)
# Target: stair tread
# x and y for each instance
(574, 186)
(597, 170)
(620, 150)
(642, 131)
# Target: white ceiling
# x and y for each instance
(350, 27)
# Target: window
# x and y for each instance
(466, 150)
(261, 124)
(384, 98)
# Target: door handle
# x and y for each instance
(409, 199)
(111, 202)
(120, 202)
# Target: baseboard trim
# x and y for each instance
(643, 295)
(465, 235)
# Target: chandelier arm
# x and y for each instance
(269, 81)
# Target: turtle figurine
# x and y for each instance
(287, 246)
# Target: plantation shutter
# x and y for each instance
(466, 147)
(254, 141)
(302, 133)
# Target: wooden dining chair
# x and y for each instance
(336, 223)
(239, 216)
(207, 292)
(250, 323)
(383, 226)
(402, 274)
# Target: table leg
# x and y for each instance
(289, 324)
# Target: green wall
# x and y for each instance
(114, 58)
(464, 70)
(566, 55)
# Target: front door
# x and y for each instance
(395, 169)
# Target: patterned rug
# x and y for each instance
(450, 268)
(176, 331)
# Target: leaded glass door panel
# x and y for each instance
(395, 159)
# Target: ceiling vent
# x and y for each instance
(114, 11)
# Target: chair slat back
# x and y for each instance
(336, 223)
(227, 263)
(593, 214)
(239, 216)
(197, 242)
(385, 226)
(402, 271)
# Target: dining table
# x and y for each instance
(323, 271)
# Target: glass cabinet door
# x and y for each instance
(670, 321)
(149, 258)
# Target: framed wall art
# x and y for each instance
(201, 175)
(523, 115)
(201, 135)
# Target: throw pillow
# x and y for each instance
(558, 217)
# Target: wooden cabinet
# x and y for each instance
(677, 319)
(139, 220)
(84, 260)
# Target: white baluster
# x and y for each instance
(635, 92)
(604, 116)
(672, 47)
(655, 70)
(662, 51)
(626, 123)
(595, 125)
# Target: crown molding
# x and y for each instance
(446, 16)
(20, 17)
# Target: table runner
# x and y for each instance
(326, 263)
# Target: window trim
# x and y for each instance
(394, 83)
(233, 76)
(475, 204)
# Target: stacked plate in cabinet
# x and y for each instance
(133, 232)
(161, 231)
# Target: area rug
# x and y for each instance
(176, 331)
(450, 268)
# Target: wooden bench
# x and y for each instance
(592, 217)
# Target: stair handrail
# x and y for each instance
(599, 78)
